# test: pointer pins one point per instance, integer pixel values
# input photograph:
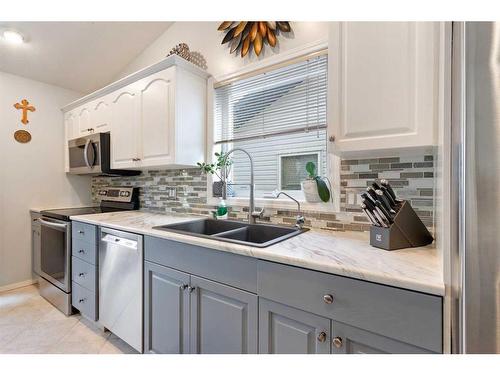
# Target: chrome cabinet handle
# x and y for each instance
(337, 342)
(81, 251)
(184, 286)
(81, 300)
(81, 274)
(322, 337)
(328, 299)
(81, 232)
(191, 289)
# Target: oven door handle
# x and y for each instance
(53, 225)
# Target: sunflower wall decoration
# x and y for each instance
(242, 35)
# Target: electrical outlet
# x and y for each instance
(171, 192)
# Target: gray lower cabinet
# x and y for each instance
(199, 300)
(223, 319)
(188, 314)
(166, 310)
(286, 330)
(352, 340)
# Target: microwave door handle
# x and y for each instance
(53, 225)
(85, 153)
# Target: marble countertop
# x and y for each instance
(341, 253)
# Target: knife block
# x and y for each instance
(406, 231)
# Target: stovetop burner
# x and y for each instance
(112, 199)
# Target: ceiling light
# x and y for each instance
(13, 37)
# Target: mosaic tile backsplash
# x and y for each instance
(184, 191)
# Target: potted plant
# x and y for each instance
(315, 188)
(221, 168)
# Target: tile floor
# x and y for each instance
(31, 325)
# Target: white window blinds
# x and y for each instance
(290, 99)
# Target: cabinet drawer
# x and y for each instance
(84, 300)
(85, 250)
(84, 274)
(235, 270)
(411, 317)
(84, 232)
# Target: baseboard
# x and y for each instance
(20, 284)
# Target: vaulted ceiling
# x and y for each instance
(81, 56)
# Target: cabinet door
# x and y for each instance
(166, 310)
(100, 119)
(285, 330)
(382, 85)
(157, 119)
(70, 132)
(351, 340)
(124, 122)
(83, 117)
(223, 319)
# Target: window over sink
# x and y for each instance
(280, 117)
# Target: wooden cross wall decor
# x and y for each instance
(25, 106)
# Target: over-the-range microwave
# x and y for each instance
(91, 155)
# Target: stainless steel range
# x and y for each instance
(54, 267)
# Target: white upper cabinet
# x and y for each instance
(70, 131)
(383, 85)
(83, 118)
(124, 117)
(100, 115)
(156, 117)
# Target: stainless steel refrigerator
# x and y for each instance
(476, 198)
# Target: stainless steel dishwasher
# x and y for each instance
(120, 285)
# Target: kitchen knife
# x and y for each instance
(384, 213)
(385, 183)
(389, 196)
(368, 197)
(375, 186)
(372, 193)
(369, 214)
(383, 199)
(375, 212)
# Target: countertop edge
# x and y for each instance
(434, 289)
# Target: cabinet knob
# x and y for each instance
(81, 300)
(81, 232)
(322, 337)
(328, 299)
(331, 138)
(81, 274)
(184, 286)
(337, 342)
(192, 289)
(81, 251)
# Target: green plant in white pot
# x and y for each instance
(315, 188)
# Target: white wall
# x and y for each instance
(32, 174)
(203, 37)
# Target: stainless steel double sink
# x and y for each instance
(258, 235)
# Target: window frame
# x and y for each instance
(294, 193)
(332, 162)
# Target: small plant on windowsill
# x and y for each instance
(220, 168)
(315, 188)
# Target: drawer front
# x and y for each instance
(84, 300)
(411, 317)
(231, 269)
(84, 274)
(84, 232)
(85, 250)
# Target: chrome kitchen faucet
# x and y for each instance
(253, 215)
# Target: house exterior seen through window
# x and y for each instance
(279, 117)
